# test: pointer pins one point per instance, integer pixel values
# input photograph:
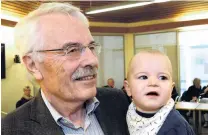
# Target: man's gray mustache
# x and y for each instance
(83, 72)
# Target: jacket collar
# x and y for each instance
(102, 117)
(39, 113)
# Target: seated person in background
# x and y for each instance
(204, 88)
(205, 92)
(25, 98)
(194, 91)
(150, 84)
(174, 93)
(205, 95)
(191, 96)
(185, 97)
(110, 83)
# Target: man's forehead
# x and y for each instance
(57, 17)
(58, 22)
(59, 29)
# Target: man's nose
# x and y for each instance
(89, 58)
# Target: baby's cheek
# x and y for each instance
(143, 88)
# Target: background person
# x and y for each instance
(25, 98)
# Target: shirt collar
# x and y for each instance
(56, 115)
(90, 107)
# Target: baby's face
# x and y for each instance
(150, 81)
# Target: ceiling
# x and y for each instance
(150, 12)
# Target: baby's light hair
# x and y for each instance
(150, 51)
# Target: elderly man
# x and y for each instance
(60, 53)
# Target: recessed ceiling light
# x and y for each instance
(123, 6)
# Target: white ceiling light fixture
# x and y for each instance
(9, 17)
(118, 7)
(160, 1)
(107, 9)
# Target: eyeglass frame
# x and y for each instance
(81, 48)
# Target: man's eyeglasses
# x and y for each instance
(75, 50)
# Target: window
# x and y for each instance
(111, 60)
(193, 57)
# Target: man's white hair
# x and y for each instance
(27, 34)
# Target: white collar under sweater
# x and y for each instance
(139, 125)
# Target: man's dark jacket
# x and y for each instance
(34, 118)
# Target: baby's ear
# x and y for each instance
(173, 84)
(127, 88)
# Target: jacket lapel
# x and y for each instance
(102, 120)
(111, 112)
(40, 114)
(102, 116)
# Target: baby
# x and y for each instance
(150, 84)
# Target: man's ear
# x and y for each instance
(127, 88)
(32, 67)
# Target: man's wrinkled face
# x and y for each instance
(68, 78)
(150, 81)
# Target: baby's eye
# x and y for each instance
(163, 78)
(143, 77)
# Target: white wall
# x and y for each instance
(16, 80)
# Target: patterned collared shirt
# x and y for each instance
(91, 125)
